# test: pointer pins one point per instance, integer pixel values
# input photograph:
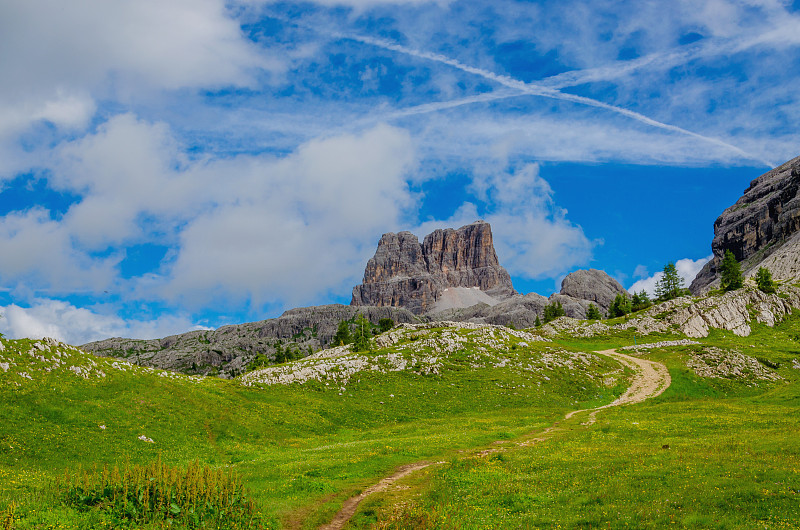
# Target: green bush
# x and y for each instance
(621, 306)
(730, 273)
(552, 311)
(764, 280)
(593, 313)
(194, 497)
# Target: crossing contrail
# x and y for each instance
(540, 90)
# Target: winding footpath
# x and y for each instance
(650, 380)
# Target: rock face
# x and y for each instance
(764, 223)
(405, 273)
(592, 285)
(227, 350)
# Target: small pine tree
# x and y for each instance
(764, 280)
(342, 336)
(385, 324)
(640, 301)
(621, 306)
(670, 285)
(537, 322)
(552, 311)
(730, 273)
(362, 335)
(593, 313)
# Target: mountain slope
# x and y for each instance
(761, 229)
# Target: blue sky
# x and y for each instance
(179, 164)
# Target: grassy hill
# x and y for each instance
(301, 448)
(718, 449)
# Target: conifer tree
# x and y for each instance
(670, 285)
(640, 301)
(592, 313)
(553, 311)
(342, 336)
(730, 273)
(621, 306)
(362, 335)
(764, 280)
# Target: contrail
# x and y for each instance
(543, 91)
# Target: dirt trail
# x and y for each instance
(650, 380)
(350, 505)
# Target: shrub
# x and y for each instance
(552, 311)
(764, 280)
(621, 306)
(593, 313)
(730, 273)
(385, 324)
(195, 497)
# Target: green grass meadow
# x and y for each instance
(300, 449)
(707, 453)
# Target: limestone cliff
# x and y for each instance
(405, 273)
(761, 229)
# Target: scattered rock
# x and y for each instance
(662, 344)
(728, 364)
(146, 439)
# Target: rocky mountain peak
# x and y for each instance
(761, 229)
(406, 273)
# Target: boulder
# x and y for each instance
(592, 285)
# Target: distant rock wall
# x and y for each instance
(227, 350)
(405, 273)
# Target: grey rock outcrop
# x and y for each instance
(579, 290)
(761, 229)
(592, 285)
(227, 351)
(405, 273)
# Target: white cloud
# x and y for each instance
(687, 269)
(73, 325)
(36, 250)
(59, 58)
(169, 44)
(299, 227)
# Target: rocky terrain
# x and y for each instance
(761, 229)
(405, 273)
(31, 361)
(578, 290)
(454, 275)
(228, 350)
(426, 349)
(734, 311)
